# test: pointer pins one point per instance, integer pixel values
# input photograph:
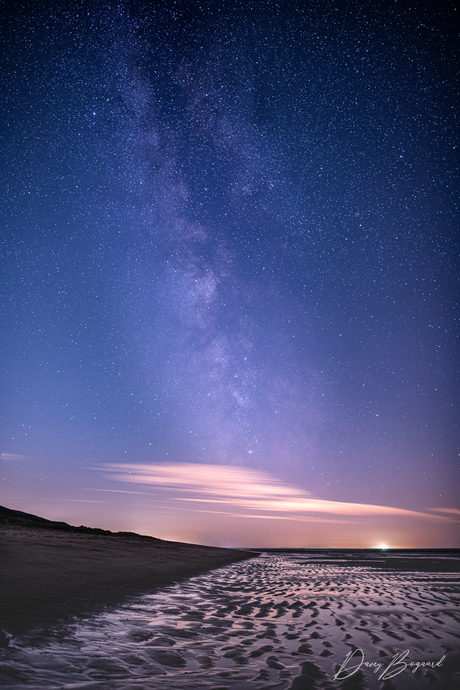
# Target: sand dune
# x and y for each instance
(51, 571)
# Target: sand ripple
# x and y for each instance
(273, 622)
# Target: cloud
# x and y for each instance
(450, 511)
(238, 488)
(260, 516)
(80, 500)
(14, 456)
(121, 491)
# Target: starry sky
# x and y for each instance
(229, 270)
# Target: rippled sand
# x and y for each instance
(276, 621)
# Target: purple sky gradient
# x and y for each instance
(230, 239)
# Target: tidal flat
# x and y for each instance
(280, 620)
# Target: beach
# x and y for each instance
(49, 574)
(291, 621)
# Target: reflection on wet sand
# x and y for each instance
(277, 621)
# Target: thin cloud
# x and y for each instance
(259, 516)
(241, 488)
(80, 500)
(15, 456)
(315, 505)
(121, 491)
(450, 511)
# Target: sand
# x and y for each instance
(276, 621)
(429, 561)
(49, 574)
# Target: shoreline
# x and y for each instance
(283, 622)
(409, 560)
(54, 575)
(52, 572)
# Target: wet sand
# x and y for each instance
(277, 621)
(50, 574)
(415, 560)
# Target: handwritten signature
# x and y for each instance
(354, 660)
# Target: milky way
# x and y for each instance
(229, 238)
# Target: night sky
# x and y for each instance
(229, 270)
